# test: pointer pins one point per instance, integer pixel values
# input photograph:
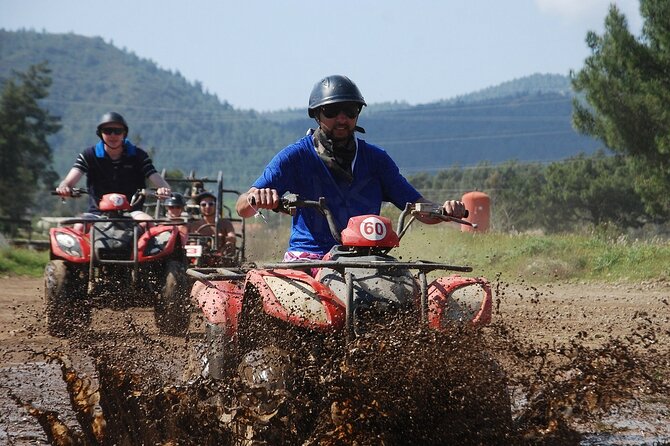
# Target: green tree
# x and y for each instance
(593, 190)
(514, 195)
(626, 85)
(25, 155)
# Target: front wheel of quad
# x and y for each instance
(172, 310)
(67, 306)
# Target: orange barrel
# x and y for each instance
(479, 206)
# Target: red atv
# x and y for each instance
(268, 322)
(116, 261)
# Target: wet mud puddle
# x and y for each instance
(136, 387)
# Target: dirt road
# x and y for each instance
(553, 312)
(539, 317)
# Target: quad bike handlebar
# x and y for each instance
(427, 210)
(75, 192)
(136, 200)
(289, 202)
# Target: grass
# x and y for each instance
(542, 258)
(534, 258)
(22, 262)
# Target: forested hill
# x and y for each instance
(180, 122)
(426, 138)
(188, 128)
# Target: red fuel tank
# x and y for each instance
(479, 206)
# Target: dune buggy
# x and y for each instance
(203, 245)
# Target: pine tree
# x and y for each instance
(25, 155)
(626, 84)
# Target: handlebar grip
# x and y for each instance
(75, 192)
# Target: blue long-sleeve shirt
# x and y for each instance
(298, 169)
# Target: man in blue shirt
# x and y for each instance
(355, 177)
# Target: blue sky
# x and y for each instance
(267, 55)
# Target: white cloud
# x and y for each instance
(588, 10)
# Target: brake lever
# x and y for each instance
(436, 211)
(252, 202)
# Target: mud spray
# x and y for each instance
(396, 384)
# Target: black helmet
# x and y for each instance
(108, 118)
(333, 89)
(176, 199)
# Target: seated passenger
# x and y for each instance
(175, 207)
(205, 225)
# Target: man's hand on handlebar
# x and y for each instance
(431, 213)
(163, 193)
(263, 198)
(67, 191)
(64, 191)
(454, 208)
(249, 203)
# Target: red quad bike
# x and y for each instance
(266, 323)
(116, 262)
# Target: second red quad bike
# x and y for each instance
(116, 261)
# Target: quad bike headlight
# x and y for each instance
(68, 244)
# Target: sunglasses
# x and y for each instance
(333, 110)
(113, 131)
(207, 203)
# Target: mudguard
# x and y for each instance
(158, 242)
(297, 298)
(459, 298)
(220, 302)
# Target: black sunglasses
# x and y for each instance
(332, 110)
(113, 131)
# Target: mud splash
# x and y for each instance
(399, 385)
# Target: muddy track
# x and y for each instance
(585, 363)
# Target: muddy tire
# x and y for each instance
(67, 306)
(172, 311)
(211, 356)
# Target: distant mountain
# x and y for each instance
(180, 122)
(528, 125)
(529, 85)
(188, 128)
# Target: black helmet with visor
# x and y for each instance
(109, 118)
(331, 90)
(176, 199)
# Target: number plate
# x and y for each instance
(193, 251)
